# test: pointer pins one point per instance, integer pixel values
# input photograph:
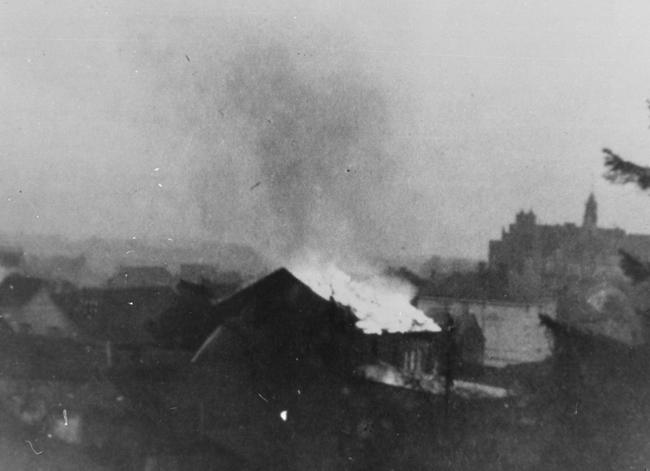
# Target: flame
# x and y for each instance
(381, 304)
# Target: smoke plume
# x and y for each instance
(317, 141)
(282, 144)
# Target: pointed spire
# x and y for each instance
(590, 219)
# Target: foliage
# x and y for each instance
(623, 171)
(633, 268)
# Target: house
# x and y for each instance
(285, 325)
(140, 276)
(285, 357)
(32, 306)
(11, 258)
(465, 335)
(122, 316)
(512, 330)
(188, 321)
(58, 267)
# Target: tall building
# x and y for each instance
(540, 259)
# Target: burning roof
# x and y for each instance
(300, 305)
(380, 304)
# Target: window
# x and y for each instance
(412, 360)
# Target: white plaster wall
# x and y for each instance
(513, 332)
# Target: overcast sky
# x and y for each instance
(118, 118)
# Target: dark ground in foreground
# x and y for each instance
(566, 415)
(594, 421)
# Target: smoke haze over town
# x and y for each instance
(418, 129)
(286, 235)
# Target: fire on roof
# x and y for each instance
(380, 304)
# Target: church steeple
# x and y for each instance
(590, 219)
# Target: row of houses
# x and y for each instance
(75, 268)
(124, 316)
(281, 312)
(284, 353)
(261, 349)
(492, 333)
(127, 310)
(488, 333)
(198, 273)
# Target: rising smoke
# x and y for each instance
(318, 145)
(285, 144)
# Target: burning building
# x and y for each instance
(291, 323)
(289, 345)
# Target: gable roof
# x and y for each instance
(279, 303)
(284, 305)
(57, 267)
(279, 291)
(16, 290)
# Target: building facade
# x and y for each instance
(30, 306)
(512, 331)
(539, 260)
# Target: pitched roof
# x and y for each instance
(56, 267)
(277, 298)
(282, 303)
(279, 303)
(16, 290)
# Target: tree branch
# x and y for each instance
(621, 171)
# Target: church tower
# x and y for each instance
(590, 219)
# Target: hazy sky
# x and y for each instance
(160, 118)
